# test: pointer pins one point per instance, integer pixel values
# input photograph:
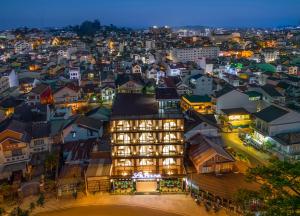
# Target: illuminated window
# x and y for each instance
(169, 161)
(170, 137)
(123, 150)
(123, 125)
(169, 149)
(169, 125)
(145, 125)
(124, 162)
(146, 150)
(145, 162)
(123, 138)
(146, 138)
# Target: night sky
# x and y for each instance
(144, 13)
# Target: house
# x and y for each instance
(235, 118)
(288, 144)
(8, 79)
(82, 128)
(41, 94)
(209, 157)
(108, 93)
(272, 121)
(201, 84)
(200, 103)
(136, 69)
(74, 74)
(127, 83)
(198, 123)
(228, 98)
(168, 99)
(270, 94)
(14, 148)
(40, 138)
(67, 94)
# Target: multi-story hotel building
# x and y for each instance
(193, 54)
(147, 143)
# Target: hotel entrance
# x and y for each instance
(146, 186)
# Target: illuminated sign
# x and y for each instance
(141, 175)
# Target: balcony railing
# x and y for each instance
(148, 129)
(156, 142)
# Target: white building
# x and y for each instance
(270, 55)
(74, 74)
(150, 44)
(8, 80)
(193, 54)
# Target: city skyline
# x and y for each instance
(141, 14)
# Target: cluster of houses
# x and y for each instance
(57, 92)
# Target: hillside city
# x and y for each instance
(208, 114)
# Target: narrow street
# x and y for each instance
(254, 156)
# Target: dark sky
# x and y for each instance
(144, 13)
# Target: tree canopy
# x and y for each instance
(279, 194)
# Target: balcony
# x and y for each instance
(156, 142)
(148, 129)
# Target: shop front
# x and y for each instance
(147, 183)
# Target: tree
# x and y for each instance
(51, 162)
(41, 200)
(2, 211)
(279, 193)
(32, 206)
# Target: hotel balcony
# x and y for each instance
(148, 129)
(156, 142)
(148, 155)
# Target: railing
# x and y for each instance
(155, 116)
(137, 142)
(148, 129)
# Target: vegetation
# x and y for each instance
(87, 28)
(41, 200)
(279, 193)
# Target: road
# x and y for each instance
(255, 157)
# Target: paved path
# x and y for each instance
(255, 157)
(167, 205)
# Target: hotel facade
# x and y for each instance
(147, 145)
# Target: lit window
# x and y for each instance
(169, 161)
(169, 149)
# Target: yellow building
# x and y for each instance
(200, 103)
(235, 118)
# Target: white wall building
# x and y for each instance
(193, 54)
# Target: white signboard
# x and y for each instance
(141, 175)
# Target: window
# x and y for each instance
(146, 150)
(169, 125)
(38, 142)
(123, 150)
(145, 162)
(169, 161)
(123, 125)
(170, 137)
(146, 138)
(123, 138)
(124, 162)
(169, 149)
(145, 125)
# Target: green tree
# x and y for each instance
(32, 206)
(2, 211)
(41, 200)
(51, 162)
(279, 193)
